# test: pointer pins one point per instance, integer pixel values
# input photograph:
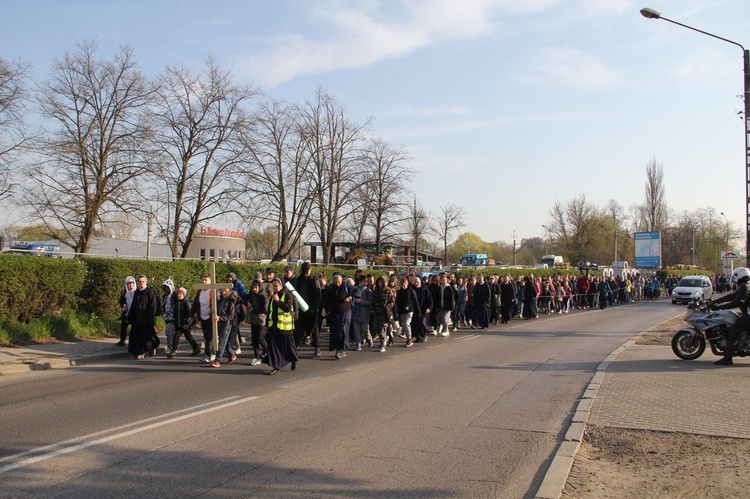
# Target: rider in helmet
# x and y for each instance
(740, 298)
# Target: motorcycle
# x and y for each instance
(706, 325)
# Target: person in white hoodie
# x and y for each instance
(126, 299)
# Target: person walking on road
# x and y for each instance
(126, 299)
(338, 314)
(201, 310)
(225, 314)
(142, 315)
(282, 349)
(183, 323)
(257, 311)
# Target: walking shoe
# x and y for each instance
(317, 351)
(381, 349)
(272, 372)
(338, 354)
(205, 359)
(409, 343)
(725, 361)
(294, 366)
(454, 330)
(238, 351)
(231, 360)
(139, 357)
(170, 355)
(358, 347)
(308, 340)
(196, 352)
(167, 351)
(369, 342)
(215, 363)
(401, 335)
(120, 343)
(445, 333)
(256, 361)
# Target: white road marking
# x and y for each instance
(85, 444)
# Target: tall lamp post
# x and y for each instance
(655, 14)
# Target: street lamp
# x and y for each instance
(649, 13)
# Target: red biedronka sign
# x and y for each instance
(211, 231)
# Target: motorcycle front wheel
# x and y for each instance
(688, 347)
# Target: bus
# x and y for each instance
(35, 249)
(475, 260)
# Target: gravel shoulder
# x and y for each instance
(616, 462)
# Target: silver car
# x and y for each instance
(692, 287)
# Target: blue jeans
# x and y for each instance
(225, 330)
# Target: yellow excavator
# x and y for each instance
(357, 254)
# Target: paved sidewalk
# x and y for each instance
(18, 360)
(647, 387)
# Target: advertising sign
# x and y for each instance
(648, 249)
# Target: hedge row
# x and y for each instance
(31, 287)
(34, 287)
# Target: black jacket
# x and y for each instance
(739, 298)
(144, 306)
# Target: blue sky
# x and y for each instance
(504, 107)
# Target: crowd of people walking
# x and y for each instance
(287, 312)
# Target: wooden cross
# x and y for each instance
(218, 286)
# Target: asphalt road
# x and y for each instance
(476, 414)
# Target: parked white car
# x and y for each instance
(691, 287)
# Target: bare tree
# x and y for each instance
(578, 228)
(332, 142)
(385, 189)
(655, 201)
(277, 177)
(614, 210)
(93, 153)
(13, 76)
(198, 121)
(451, 218)
(356, 223)
(417, 222)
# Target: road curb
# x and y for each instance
(44, 364)
(562, 462)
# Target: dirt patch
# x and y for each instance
(615, 463)
(661, 334)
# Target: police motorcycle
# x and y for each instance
(706, 325)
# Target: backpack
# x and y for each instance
(241, 311)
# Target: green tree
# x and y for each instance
(260, 244)
(466, 242)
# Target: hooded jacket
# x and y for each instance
(126, 298)
(167, 304)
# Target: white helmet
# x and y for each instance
(741, 274)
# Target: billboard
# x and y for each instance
(648, 250)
